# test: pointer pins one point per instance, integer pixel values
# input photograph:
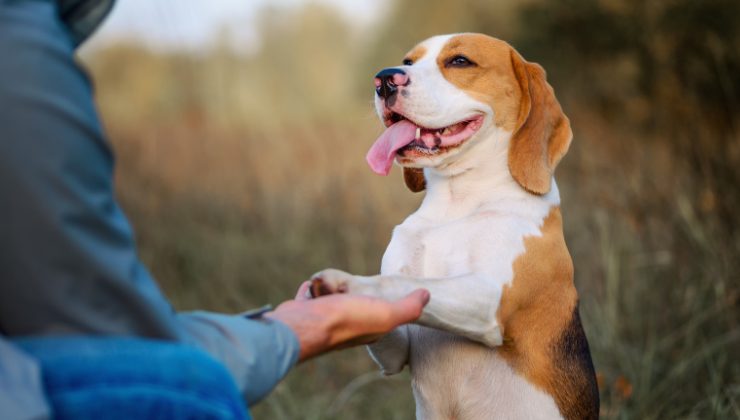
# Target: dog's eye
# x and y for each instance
(459, 61)
(408, 61)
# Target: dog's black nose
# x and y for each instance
(388, 80)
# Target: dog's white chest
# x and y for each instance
(486, 242)
(421, 249)
(453, 376)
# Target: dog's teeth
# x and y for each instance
(418, 133)
(446, 131)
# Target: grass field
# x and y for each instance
(242, 178)
(659, 292)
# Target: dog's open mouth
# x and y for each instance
(405, 138)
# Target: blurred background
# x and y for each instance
(241, 128)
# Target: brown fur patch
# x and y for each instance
(521, 99)
(416, 53)
(414, 179)
(543, 132)
(543, 338)
(491, 80)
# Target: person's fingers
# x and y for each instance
(303, 291)
(408, 308)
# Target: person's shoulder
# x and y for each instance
(83, 17)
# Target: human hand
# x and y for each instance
(339, 321)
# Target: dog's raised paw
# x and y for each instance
(318, 288)
(329, 282)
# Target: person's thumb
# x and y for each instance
(409, 307)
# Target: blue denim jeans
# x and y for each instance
(126, 378)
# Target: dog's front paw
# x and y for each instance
(329, 282)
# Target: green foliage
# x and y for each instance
(669, 69)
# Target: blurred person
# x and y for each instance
(84, 330)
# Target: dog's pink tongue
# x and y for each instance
(381, 154)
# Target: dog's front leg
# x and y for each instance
(464, 305)
(391, 352)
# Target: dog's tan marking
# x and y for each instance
(416, 53)
(543, 132)
(491, 80)
(543, 338)
(522, 100)
(414, 179)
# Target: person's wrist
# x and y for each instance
(313, 329)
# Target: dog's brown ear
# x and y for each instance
(542, 135)
(414, 179)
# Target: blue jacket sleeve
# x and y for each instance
(68, 261)
(258, 353)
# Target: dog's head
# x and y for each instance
(448, 96)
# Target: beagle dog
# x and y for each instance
(480, 129)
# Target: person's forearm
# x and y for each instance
(258, 353)
(339, 321)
